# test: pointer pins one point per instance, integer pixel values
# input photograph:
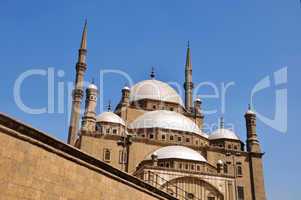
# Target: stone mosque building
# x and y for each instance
(154, 140)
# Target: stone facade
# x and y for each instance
(151, 116)
(36, 166)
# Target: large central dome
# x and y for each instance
(156, 90)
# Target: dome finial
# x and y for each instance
(109, 106)
(250, 110)
(93, 80)
(188, 44)
(198, 98)
(152, 74)
(92, 84)
(222, 125)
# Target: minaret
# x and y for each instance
(78, 93)
(252, 140)
(198, 115)
(255, 157)
(198, 106)
(125, 100)
(89, 118)
(188, 85)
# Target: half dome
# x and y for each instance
(177, 152)
(110, 117)
(167, 120)
(156, 90)
(223, 133)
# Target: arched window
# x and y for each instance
(122, 157)
(107, 155)
(239, 170)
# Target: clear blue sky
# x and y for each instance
(238, 40)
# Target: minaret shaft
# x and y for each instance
(78, 93)
(255, 158)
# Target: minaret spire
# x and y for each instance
(188, 56)
(188, 85)
(83, 44)
(78, 92)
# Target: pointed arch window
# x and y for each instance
(239, 170)
(107, 155)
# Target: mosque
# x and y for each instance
(150, 146)
(153, 135)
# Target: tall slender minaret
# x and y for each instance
(255, 157)
(188, 85)
(78, 93)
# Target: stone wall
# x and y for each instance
(36, 166)
(138, 150)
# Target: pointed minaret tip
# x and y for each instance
(188, 56)
(83, 44)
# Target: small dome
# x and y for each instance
(167, 120)
(198, 100)
(220, 162)
(223, 133)
(177, 152)
(156, 90)
(126, 88)
(250, 112)
(110, 117)
(92, 86)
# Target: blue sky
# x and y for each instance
(231, 41)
